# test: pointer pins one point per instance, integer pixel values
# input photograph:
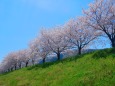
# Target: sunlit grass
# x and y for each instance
(93, 69)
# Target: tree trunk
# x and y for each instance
(26, 63)
(79, 51)
(43, 60)
(8, 70)
(111, 38)
(20, 65)
(11, 68)
(15, 67)
(113, 43)
(33, 61)
(58, 56)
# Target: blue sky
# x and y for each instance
(21, 20)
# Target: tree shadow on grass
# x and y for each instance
(7, 73)
(47, 64)
(96, 55)
(104, 53)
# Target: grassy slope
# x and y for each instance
(93, 69)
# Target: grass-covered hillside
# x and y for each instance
(93, 69)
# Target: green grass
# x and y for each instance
(93, 69)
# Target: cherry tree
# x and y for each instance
(14, 60)
(79, 34)
(10, 62)
(101, 16)
(55, 39)
(39, 48)
(1, 68)
(26, 56)
(20, 58)
(33, 52)
(33, 46)
(4, 67)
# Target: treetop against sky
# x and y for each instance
(21, 20)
